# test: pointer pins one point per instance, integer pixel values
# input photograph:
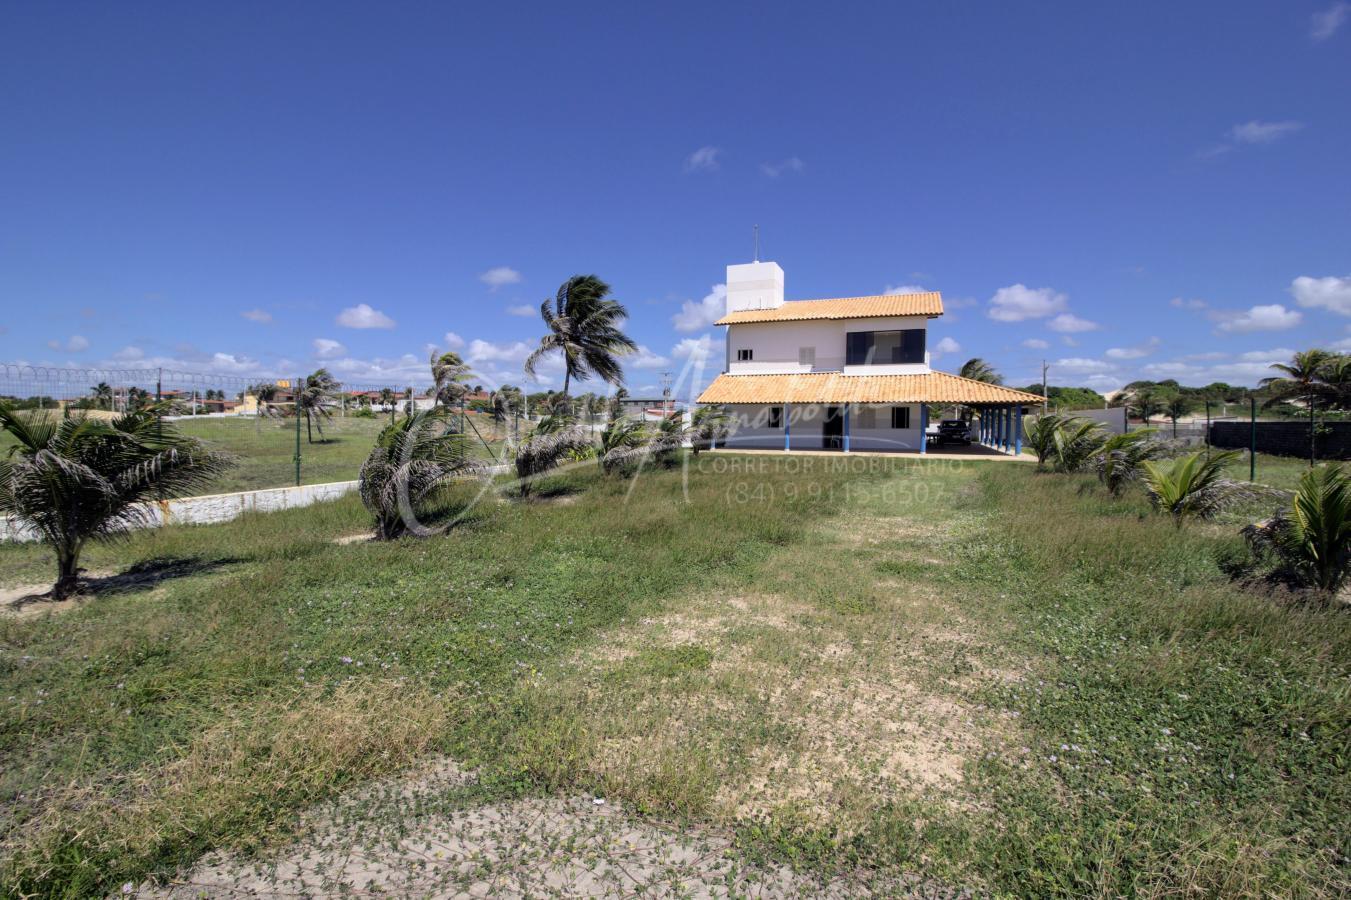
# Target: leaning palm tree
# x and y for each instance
(411, 461)
(450, 377)
(315, 399)
(265, 393)
(623, 441)
(1304, 379)
(83, 479)
(543, 451)
(583, 325)
(978, 369)
(1195, 485)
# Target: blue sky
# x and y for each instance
(1126, 190)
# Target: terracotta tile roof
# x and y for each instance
(836, 387)
(929, 304)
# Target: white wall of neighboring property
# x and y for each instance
(776, 346)
(750, 429)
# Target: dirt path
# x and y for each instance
(409, 837)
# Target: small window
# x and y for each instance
(806, 356)
(744, 355)
(776, 417)
(900, 417)
(867, 417)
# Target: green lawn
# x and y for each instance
(1003, 680)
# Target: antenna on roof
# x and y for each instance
(757, 243)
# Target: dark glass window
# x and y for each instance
(900, 417)
(744, 355)
(776, 417)
(884, 348)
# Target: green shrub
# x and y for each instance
(1312, 540)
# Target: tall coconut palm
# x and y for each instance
(978, 369)
(411, 460)
(1303, 379)
(450, 377)
(387, 398)
(83, 479)
(315, 399)
(583, 325)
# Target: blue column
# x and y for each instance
(923, 428)
(1018, 431)
(1008, 428)
(787, 427)
(1000, 424)
(984, 425)
(846, 428)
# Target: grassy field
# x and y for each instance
(1000, 679)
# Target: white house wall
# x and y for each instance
(775, 346)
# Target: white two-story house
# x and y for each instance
(844, 374)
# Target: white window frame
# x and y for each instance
(745, 355)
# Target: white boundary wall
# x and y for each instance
(213, 508)
(1113, 420)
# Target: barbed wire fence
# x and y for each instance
(346, 418)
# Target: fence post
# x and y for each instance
(295, 398)
(1207, 425)
(1252, 450)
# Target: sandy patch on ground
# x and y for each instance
(361, 537)
(408, 837)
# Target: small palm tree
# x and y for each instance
(583, 325)
(315, 400)
(1313, 539)
(1144, 401)
(103, 395)
(543, 451)
(978, 369)
(1194, 485)
(1041, 436)
(1303, 379)
(387, 398)
(708, 425)
(411, 460)
(265, 393)
(1121, 458)
(621, 442)
(450, 376)
(1075, 444)
(82, 479)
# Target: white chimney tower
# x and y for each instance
(757, 285)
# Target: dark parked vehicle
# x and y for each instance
(953, 431)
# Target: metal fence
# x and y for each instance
(253, 418)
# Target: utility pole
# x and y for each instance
(1044, 401)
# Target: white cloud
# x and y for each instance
(1323, 25)
(693, 348)
(500, 276)
(1329, 293)
(362, 316)
(1256, 132)
(1068, 341)
(905, 289)
(453, 340)
(947, 345)
(1136, 352)
(790, 165)
(1035, 344)
(646, 359)
(1068, 323)
(129, 354)
(77, 343)
(324, 348)
(523, 310)
(481, 351)
(698, 315)
(1183, 303)
(705, 159)
(1081, 364)
(1270, 317)
(261, 316)
(1018, 303)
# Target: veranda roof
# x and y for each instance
(836, 387)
